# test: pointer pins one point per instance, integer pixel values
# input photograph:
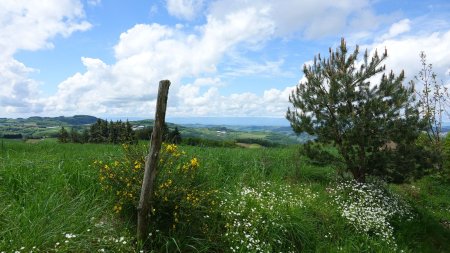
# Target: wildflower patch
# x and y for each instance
(254, 214)
(370, 208)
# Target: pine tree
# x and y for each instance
(74, 136)
(113, 133)
(85, 136)
(340, 106)
(63, 135)
(175, 136)
(130, 136)
(95, 132)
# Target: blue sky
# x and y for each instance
(225, 58)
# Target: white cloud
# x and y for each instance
(94, 2)
(193, 102)
(18, 93)
(313, 19)
(147, 53)
(398, 28)
(184, 9)
(30, 25)
(403, 53)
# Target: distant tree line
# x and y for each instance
(101, 131)
(12, 136)
(117, 132)
(168, 136)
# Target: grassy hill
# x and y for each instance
(53, 201)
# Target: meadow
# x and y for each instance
(247, 200)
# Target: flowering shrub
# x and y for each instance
(179, 198)
(254, 215)
(370, 208)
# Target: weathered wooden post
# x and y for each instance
(151, 162)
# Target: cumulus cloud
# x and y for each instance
(184, 9)
(398, 28)
(30, 25)
(147, 53)
(312, 19)
(191, 101)
(94, 2)
(403, 53)
(18, 93)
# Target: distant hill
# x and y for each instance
(51, 121)
(38, 127)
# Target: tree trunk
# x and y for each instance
(358, 174)
(151, 162)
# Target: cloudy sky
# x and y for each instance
(225, 58)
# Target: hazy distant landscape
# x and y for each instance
(48, 127)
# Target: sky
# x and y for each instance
(224, 58)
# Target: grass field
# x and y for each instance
(270, 199)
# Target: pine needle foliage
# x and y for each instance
(372, 125)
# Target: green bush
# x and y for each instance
(181, 198)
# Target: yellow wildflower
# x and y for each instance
(171, 148)
(117, 208)
(194, 162)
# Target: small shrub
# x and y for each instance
(181, 198)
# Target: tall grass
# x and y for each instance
(48, 190)
(51, 199)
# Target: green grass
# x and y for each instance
(50, 191)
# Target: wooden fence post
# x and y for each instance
(151, 162)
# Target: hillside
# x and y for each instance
(39, 127)
(55, 200)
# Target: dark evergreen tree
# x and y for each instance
(340, 106)
(85, 136)
(63, 135)
(113, 132)
(95, 132)
(74, 136)
(175, 136)
(130, 136)
(144, 133)
(166, 133)
(104, 130)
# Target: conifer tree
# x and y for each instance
(85, 136)
(95, 132)
(339, 104)
(74, 136)
(63, 135)
(175, 136)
